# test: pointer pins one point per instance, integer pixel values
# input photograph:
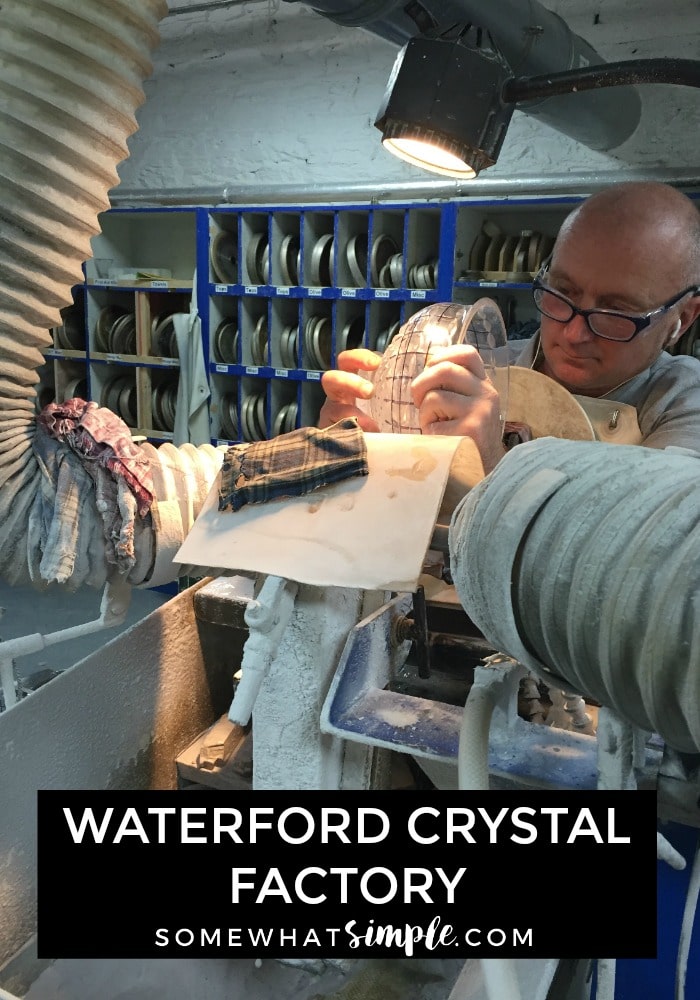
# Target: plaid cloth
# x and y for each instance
(97, 435)
(293, 464)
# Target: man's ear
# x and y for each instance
(688, 314)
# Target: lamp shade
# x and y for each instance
(442, 109)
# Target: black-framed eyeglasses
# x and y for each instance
(606, 323)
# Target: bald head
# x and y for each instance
(660, 220)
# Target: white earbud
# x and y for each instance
(674, 333)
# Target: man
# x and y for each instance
(622, 284)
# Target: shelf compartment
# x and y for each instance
(384, 324)
(480, 225)
(353, 249)
(225, 408)
(144, 240)
(224, 331)
(114, 386)
(224, 260)
(319, 249)
(316, 336)
(350, 327)
(71, 380)
(284, 406)
(255, 249)
(285, 254)
(312, 399)
(254, 413)
(254, 325)
(421, 258)
(284, 334)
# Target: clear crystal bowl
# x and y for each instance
(425, 335)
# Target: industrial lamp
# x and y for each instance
(450, 97)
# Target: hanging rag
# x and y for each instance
(62, 523)
(117, 469)
(292, 465)
(96, 433)
(191, 411)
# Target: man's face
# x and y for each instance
(600, 269)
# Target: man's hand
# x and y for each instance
(455, 396)
(343, 386)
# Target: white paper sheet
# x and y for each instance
(369, 532)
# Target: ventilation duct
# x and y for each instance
(71, 75)
(587, 571)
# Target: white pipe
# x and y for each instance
(572, 182)
(605, 986)
(500, 979)
(691, 903)
(498, 680)
(7, 681)
(4, 995)
(473, 750)
(666, 852)
(113, 609)
(266, 617)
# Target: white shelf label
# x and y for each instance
(220, 442)
(348, 293)
(315, 292)
(220, 288)
(251, 289)
(313, 376)
(114, 357)
(417, 293)
(170, 362)
(281, 372)
(488, 284)
(283, 290)
(104, 282)
(159, 284)
(222, 368)
(251, 369)
(381, 293)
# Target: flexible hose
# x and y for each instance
(567, 558)
(71, 74)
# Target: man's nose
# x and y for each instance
(577, 330)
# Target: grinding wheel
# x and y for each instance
(548, 409)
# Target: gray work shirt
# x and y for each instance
(666, 396)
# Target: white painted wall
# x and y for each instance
(269, 94)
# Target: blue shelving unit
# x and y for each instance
(343, 293)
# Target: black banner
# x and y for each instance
(346, 874)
